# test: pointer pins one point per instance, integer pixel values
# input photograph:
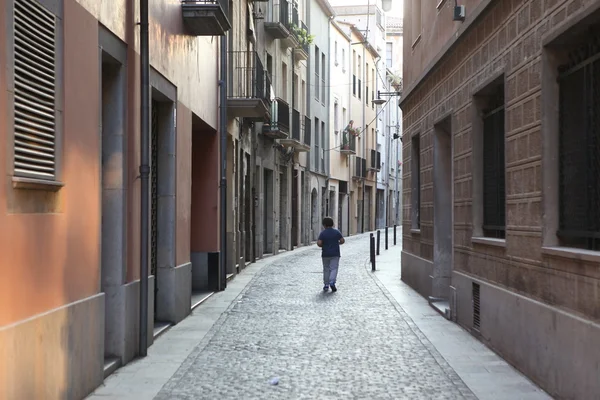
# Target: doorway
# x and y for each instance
(268, 211)
(442, 209)
(283, 208)
(162, 203)
(314, 214)
(295, 208)
(368, 204)
(249, 233)
(113, 228)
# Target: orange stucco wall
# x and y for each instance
(205, 191)
(49, 242)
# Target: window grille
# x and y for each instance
(494, 193)
(579, 147)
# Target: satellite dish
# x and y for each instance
(387, 5)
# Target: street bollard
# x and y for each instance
(372, 253)
(371, 248)
(386, 237)
(394, 234)
(378, 240)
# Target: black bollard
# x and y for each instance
(378, 240)
(386, 237)
(394, 234)
(373, 258)
(371, 248)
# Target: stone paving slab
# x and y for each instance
(274, 321)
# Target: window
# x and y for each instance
(343, 60)
(335, 53)
(322, 153)
(579, 148)
(336, 117)
(284, 82)
(303, 105)
(367, 85)
(389, 54)
(35, 101)
(317, 141)
(323, 72)
(494, 194)
(416, 182)
(317, 68)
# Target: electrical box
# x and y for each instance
(459, 13)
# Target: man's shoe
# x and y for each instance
(325, 288)
(333, 288)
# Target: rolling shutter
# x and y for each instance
(35, 90)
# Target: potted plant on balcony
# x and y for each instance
(304, 38)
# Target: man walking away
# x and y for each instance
(329, 241)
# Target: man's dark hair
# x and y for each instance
(328, 222)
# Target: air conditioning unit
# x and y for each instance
(459, 13)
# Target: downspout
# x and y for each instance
(364, 144)
(223, 186)
(397, 160)
(144, 175)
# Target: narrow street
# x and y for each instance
(274, 322)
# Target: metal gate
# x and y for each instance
(154, 198)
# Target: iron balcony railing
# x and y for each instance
(248, 79)
(305, 45)
(296, 125)
(307, 131)
(295, 15)
(279, 12)
(283, 116)
(224, 4)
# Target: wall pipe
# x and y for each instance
(144, 175)
(222, 284)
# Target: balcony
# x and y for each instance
(293, 40)
(303, 50)
(295, 140)
(279, 126)
(348, 143)
(278, 20)
(307, 131)
(249, 89)
(374, 160)
(206, 17)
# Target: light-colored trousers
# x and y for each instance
(330, 269)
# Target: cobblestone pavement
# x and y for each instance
(356, 343)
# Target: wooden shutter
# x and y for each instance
(35, 90)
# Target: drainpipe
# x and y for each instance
(364, 144)
(223, 186)
(144, 175)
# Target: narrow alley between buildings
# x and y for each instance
(275, 334)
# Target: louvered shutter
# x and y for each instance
(35, 90)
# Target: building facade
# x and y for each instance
(342, 143)
(501, 192)
(71, 137)
(269, 102)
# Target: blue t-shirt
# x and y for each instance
(331, 242)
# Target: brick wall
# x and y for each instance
(507, 39)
